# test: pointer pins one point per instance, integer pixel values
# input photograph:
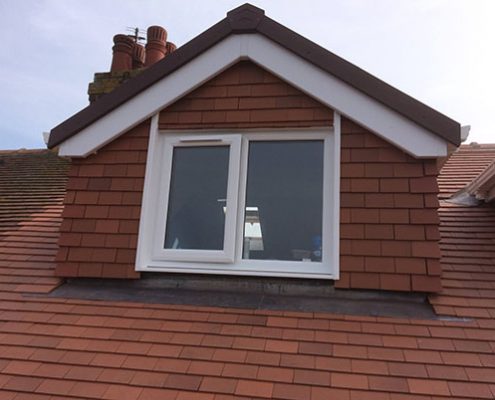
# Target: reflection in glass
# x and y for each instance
(284, 201)
(253, 238)
(198, 192)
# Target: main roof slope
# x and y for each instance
(32, 189)
(59, 348)
(250, 19)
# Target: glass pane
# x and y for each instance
(197, 199)
(284, 201)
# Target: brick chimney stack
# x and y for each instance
(129, 59)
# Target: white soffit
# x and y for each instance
(379, 119)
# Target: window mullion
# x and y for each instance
(242, 198)
(232, 197)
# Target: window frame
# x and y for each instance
(153, 259)
(233, 141)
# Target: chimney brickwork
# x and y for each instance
(129, 59)
(105, 82)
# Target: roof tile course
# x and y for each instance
(32, 188)
(73, 349)
(463, 166)
(467, 240)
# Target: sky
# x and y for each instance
(441, 52)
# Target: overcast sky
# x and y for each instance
(442, 52)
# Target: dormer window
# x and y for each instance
(251, 202)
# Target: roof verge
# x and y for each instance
(250, 19)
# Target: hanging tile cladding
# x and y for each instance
(389, 227)
(102, 209)
(245, 96)
(392, 240)
(389, 217)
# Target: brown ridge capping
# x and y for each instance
(248, 18)
(363, 81)
(120, 95)
(245, 19)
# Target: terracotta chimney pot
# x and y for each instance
(170, 47)
(122, 53)
(138, 56)
(155, 45)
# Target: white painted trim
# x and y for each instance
(163, 186)
(216, 269)
(151, 175)
(156, 97)
(335, 217)
(465, 132)
(348, 101)
(317, 83)
(152, 227)
(327, 267)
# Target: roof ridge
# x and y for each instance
(24, 151)
(250, 19)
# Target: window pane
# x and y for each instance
(283, 217)
(198, 192)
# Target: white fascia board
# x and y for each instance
(332, 92)
(152, 100)
(336, 94)
(151, 176)
(335, 217)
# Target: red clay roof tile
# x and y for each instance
(463, 166)
(95, 349)
(32, 188)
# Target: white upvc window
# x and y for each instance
(245, 203)
(198, 193)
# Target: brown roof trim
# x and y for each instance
(361, 80)
(250, 19)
